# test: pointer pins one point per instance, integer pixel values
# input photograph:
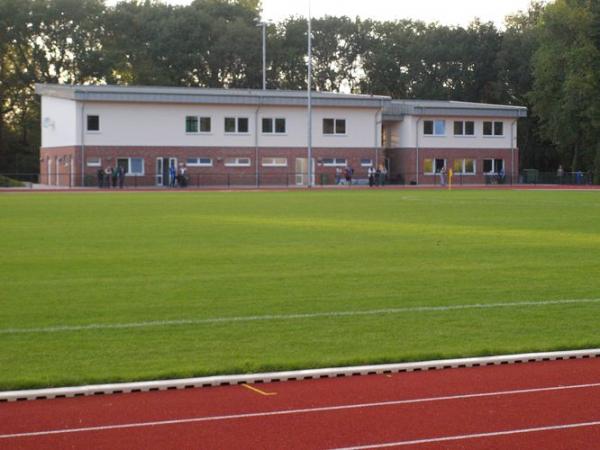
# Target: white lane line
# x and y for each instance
(473, 436)
(218, 320)
(298, 411)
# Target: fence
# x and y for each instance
(67, 180)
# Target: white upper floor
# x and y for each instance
(195, 117)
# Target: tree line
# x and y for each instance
(545, 58)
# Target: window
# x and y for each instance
(132, 166)
(464, 128)
(270, 126)
(94, 162)
(366, 163)
(93, 123)
(493, 166)
(493, 128)
(237, 162)
(205, 125)
(199, 162)
(334, 162)
(236, 125)
(274, 162)
(434, 127)
(334, 126)
(191, 124)
(464, 166)
(431, 166)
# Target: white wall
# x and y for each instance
(143, 124)
(406, 132)
(59, 122)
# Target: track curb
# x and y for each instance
(271, 377)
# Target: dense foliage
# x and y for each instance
(545, 59)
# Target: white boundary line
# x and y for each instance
(298, 316)
(474, 436)
(224, 380)
(286, 412)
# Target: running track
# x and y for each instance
(546, 405)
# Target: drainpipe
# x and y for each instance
(378, 124)
(260, 99)
(512, 150)
(418, 124)
(82, 143)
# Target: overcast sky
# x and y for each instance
(455, 12)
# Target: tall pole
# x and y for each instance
(263, 25)
(309, 146)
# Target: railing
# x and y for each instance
(65, 180)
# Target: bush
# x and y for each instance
(9, 182)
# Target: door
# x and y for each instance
(172, 164)
(159, 172)
(302, 171)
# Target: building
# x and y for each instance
(256, 137)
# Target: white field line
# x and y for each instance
(269, 317)
(300, 411)
(475, 436)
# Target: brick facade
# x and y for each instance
(218, 174)
(403, 163)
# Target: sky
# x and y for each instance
(455, 12)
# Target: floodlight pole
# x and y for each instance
(263, 25)
(309, 137)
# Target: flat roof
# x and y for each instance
(397, 109)
(154, 94)
(392, 109)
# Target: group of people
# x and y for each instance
(377, 176)
(346, 174)
(176, 179)
(111, 177)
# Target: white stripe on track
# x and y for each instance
(474, 436)
(299, 411)
(218, 320)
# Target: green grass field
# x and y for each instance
(160, 266)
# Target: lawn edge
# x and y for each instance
(270, 377)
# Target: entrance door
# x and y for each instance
(302, 171)
(163, 177)
(159, 172)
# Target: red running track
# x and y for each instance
(548, 405)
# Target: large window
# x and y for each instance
(334, 126)
(132, 166)
(432, 166)
(434, 127)
(464, 166)
(464, 128)
(366, 163)
(274, 162)
(493, 166)
(270, 125)
(195, 124)
(94, 162)
(236, 125)
(334, 162)
(237, 162)
(93, 123)
(199, 162)
(493, 128)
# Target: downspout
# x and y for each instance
(418, 122)
(512, 151)
(256, 139)
(82, 143)
(378, 125)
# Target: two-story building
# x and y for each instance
(258, 137)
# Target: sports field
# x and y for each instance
(128, 286)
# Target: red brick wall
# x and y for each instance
(403, 163)
(218, 173)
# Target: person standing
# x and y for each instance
(371, 174)
(172, 175)
(100, 176)
(560, 173)
(183, 176)
(115, 176)
(121, 176)
(338, 175)
(107, 176)
(382, 175)
(443, 176)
